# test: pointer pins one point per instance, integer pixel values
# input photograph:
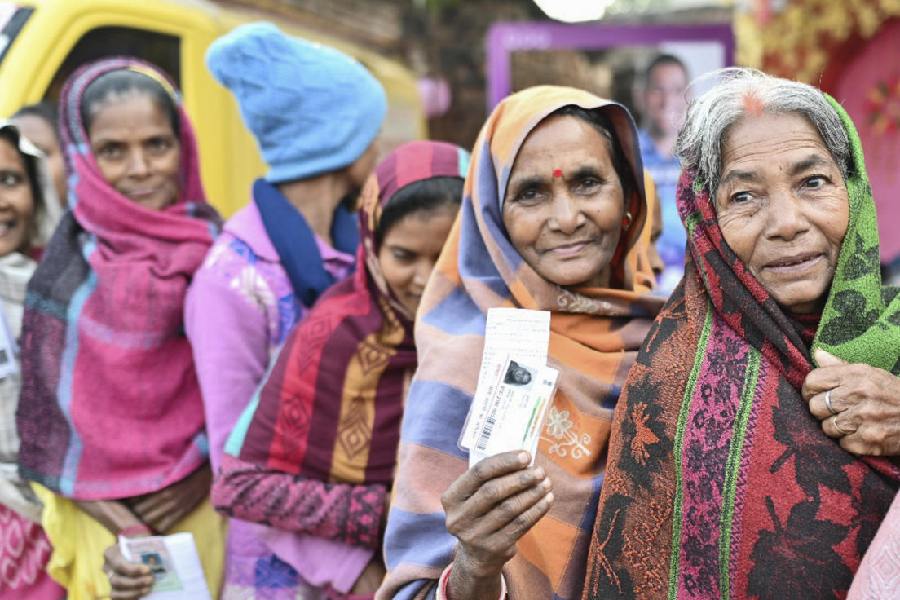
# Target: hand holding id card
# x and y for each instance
(173, 562)
(515, 386)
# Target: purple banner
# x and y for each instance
(505, 38)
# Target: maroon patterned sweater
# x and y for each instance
(352, 514)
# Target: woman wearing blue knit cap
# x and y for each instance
(315, 114)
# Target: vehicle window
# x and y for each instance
(158, 48)
(12, 19)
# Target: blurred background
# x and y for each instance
(446, 62)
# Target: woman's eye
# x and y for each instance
(403, 256)
(110, 152)
(589, 184)
(11, 179)
(815, 182)
(528, 195)
(740, 198)
(159, 144)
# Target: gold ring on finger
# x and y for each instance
(828, 404)
(840, 430)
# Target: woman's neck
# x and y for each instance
(317, 198)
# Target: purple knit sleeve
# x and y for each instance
(230, 340)
(351, 514)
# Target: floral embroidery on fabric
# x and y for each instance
(243, 250)
(644, 436)
(253, 287)
(215, 255)
(565, 442)
(571, 302)
(612, 544)
(576, 303)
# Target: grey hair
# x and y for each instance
(701, 140)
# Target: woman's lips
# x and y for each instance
(791, 265)
(568, 250)
(138, 194)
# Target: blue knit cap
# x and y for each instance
(311, 108)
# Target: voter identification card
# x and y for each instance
(514, 411)
(174, 563)
(153, 553)
(508, 331)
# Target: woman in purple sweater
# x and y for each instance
(316, 130)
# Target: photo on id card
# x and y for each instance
(153, 553)
(511, 414)
(517, 380)
(518, 375)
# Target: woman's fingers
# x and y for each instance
(841, 425)
(502, 491)
(166, 522)
(826, 378)
(127, 579)
(818, 405)
(115, 562)
(157, 514)
(857, 445)
(492, 504)
(821, 379)
(151, 504)
(514, 507)
(824, 358)
(473, 527)
(490, 468)
(133, 585)
(519, 526)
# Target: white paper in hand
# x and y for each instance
(522, 336)
(515, 411)
(173, 560)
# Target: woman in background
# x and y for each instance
(29, 212)
(38, 123)
(314, 454)
(315, 114)
(110, 417)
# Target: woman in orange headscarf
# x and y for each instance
(553, 210)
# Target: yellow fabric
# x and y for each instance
(79, 542)
(639, 259)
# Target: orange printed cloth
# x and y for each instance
(594, 335)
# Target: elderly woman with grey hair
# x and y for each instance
(747, 456)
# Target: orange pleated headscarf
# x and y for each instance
(594, 336)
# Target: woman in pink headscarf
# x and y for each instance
(110, 416)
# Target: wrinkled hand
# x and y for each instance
(866, 400)
(127, 579)
(488, 509)
(163, 509)
(371, 578)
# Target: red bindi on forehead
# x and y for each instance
(557, 172)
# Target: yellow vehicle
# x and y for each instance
(43, 41)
